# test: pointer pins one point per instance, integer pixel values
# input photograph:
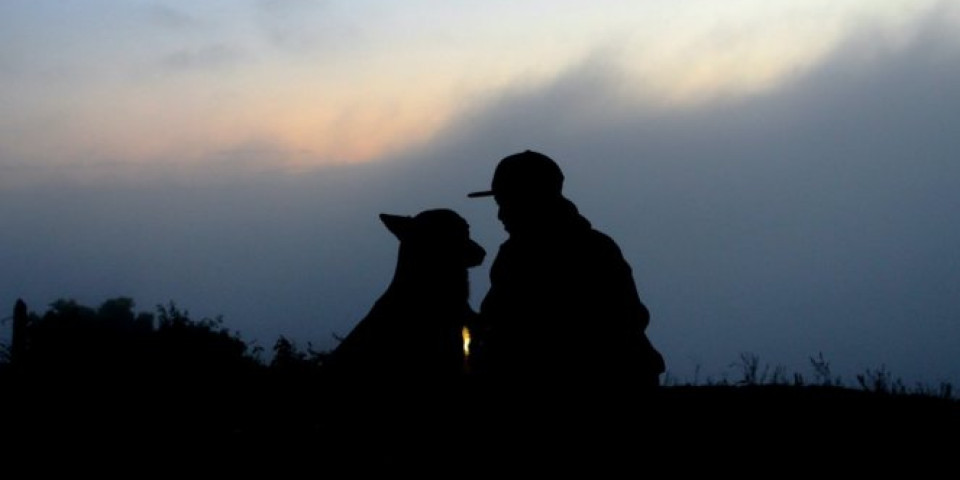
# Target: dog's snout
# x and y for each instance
(474, 254)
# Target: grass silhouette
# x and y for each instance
(145, 376)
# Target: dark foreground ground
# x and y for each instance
(479, 426)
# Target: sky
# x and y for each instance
(780, 174)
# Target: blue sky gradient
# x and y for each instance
(781, 177)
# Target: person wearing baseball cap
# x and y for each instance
(562, 304)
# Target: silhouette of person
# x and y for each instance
(562, 304)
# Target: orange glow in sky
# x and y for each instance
(303, 84)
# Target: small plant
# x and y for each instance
(749, 365)
(287, 357)
(946, 390)
(821, 372)
(881, 381)
(779, 375)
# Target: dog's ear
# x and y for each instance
(399, 225)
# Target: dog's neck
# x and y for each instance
(429, 280)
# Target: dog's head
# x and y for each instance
(435, 237)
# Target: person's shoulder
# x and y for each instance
(601, 240)
(603, 252)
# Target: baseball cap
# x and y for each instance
(527, 173)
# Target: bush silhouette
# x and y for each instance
(113, 341)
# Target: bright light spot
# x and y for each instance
(465, 333)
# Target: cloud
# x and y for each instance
(306, 26)
(171, 18)
(212, 56)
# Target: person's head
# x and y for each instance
(524, 186)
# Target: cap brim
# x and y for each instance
(485, 193)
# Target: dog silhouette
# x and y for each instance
(414, 330)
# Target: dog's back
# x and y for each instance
(414, 329)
